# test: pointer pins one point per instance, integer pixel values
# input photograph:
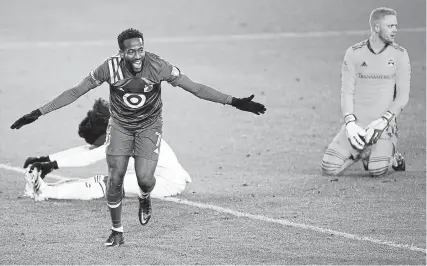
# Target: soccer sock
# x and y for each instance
(116, 215)
(114, 202)
(143, 195)
(117, 229)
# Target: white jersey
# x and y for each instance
(171, 177)
(369, 81)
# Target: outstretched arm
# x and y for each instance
(61, 100)
(79, 156)
(95, 78)
(207, 93)
(74, 157)
(174, 76)
(69, 96)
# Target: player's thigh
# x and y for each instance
(145, 168)
(147, 142)
(381, 155)
(339, 150)
(119, 141)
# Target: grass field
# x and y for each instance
(257, 195)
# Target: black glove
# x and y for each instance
(26, 119)
(31, 160)
(246, 104)
(44, 167)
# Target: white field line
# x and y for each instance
(261, 218)
(194, 39)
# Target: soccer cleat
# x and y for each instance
(29, 183)
(144, 212)
(115, 239)
(398, 162)
(365, 164)
(28, 191)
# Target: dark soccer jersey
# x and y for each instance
(135, 101)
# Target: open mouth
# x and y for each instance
(137, 64)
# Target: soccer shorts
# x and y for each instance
(138, 143)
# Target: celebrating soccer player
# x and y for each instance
(171, 177)
(375, 88)
(135, 127)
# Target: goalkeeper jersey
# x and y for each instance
(369, 80)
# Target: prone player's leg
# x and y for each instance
(339, 155)
(119, 147)
(147, 149)
(77, 189)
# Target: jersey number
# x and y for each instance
(134, 100)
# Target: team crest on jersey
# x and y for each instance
(149, 86)
(391, 62)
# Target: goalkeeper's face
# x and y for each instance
(388, 29)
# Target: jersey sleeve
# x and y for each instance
(100, 74)
(79, 156)
(170, 73)
(403, 84)
(95, 78)
(348, 82)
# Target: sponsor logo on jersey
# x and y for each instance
(375, 76)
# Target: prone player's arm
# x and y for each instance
(79, 156)
(348, 82)
(403, 85)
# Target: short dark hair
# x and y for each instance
(128, 34)
(95, 123)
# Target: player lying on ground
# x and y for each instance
(135, 126)
(171, 177)
(375, 88)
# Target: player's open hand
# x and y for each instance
(44, 167)
(246, 104)
(26, 119)
(31, 160)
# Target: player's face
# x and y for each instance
(133, 53)
(388, 29)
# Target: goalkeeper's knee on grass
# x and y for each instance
(334, 163)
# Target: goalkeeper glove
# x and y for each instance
(355, 134)
(44, 167)
(376, 128)
(246, 104)
(26, 119)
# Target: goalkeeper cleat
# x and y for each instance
(144, 212)
(115, 239)
(398, 162)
